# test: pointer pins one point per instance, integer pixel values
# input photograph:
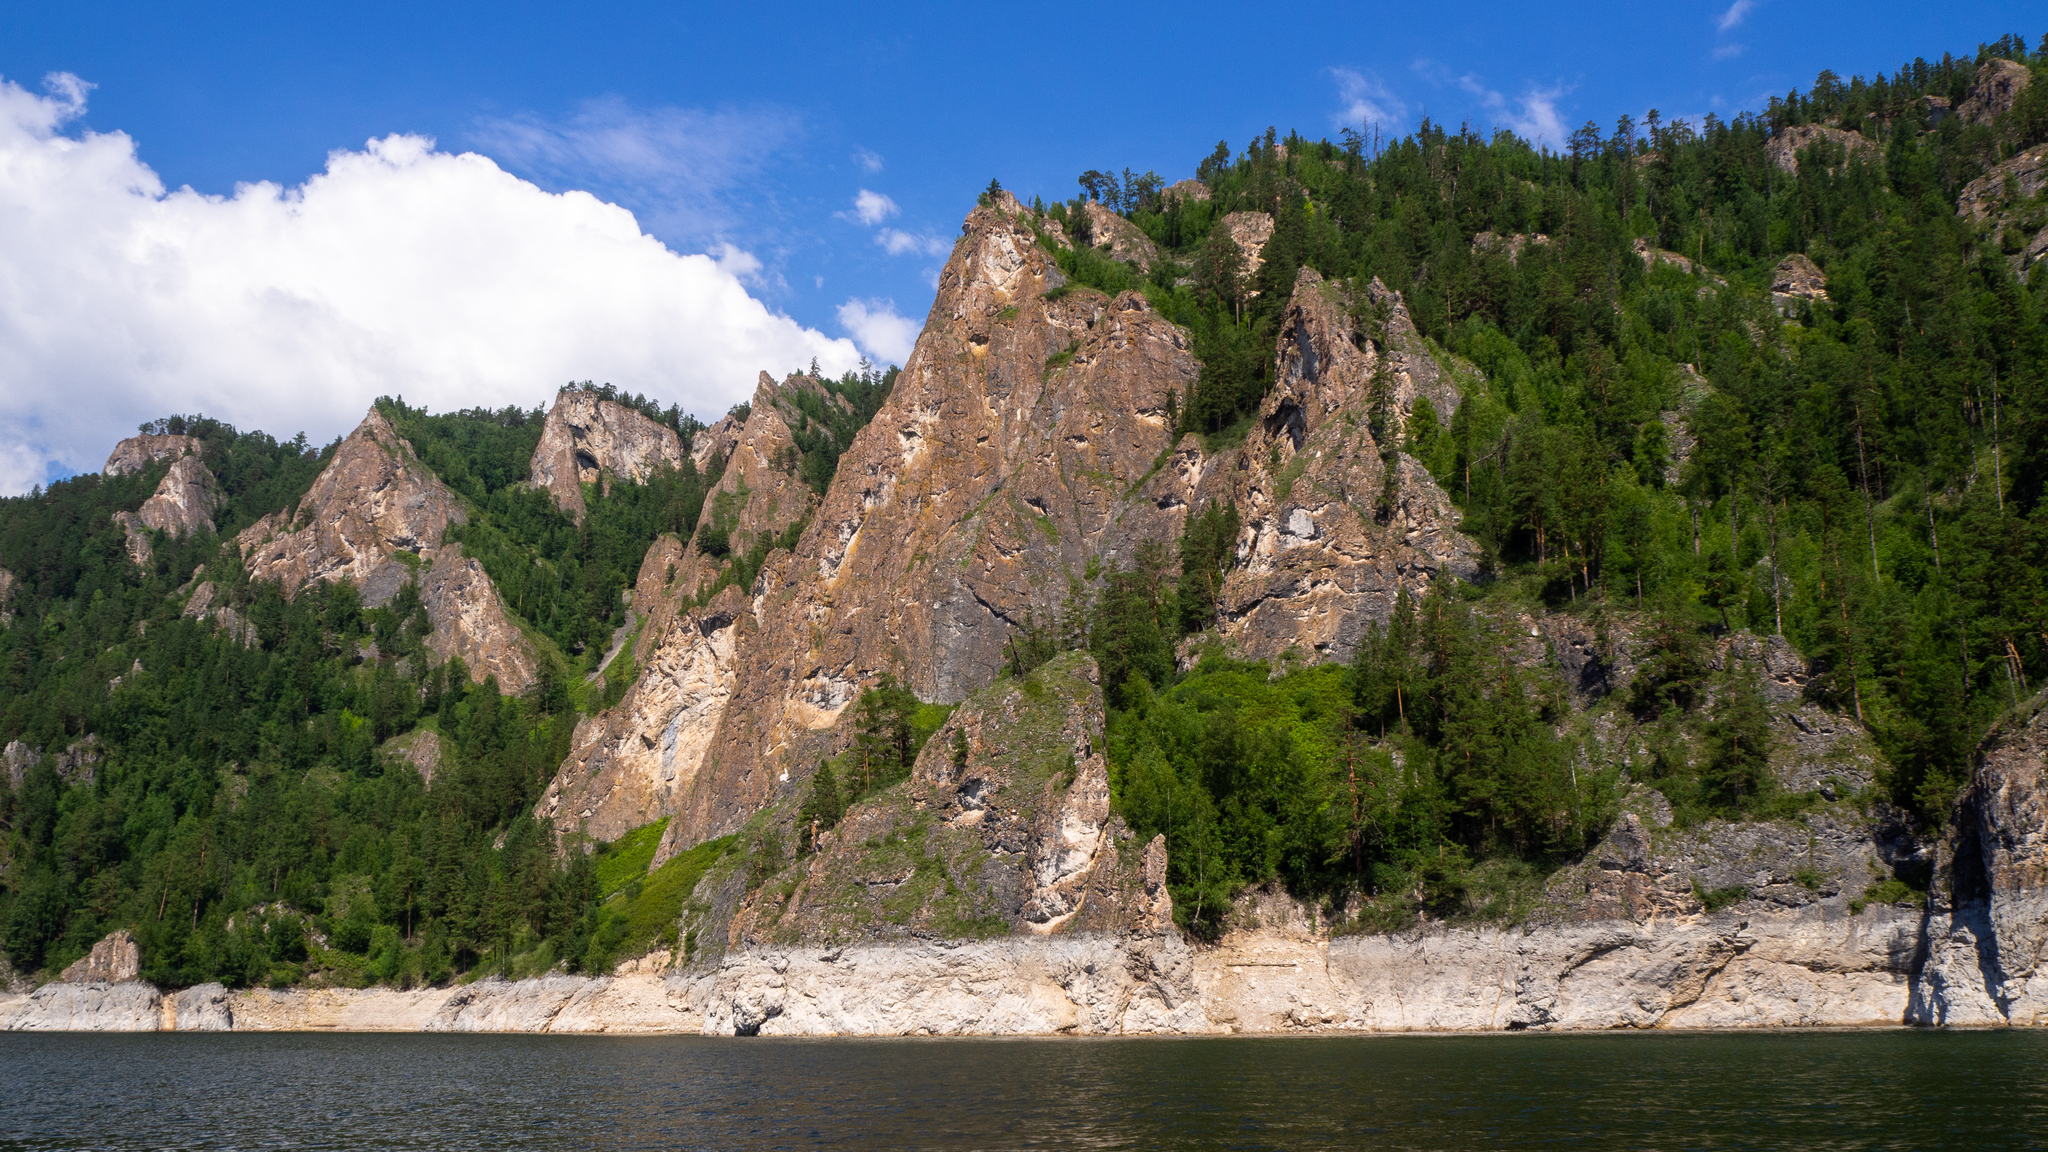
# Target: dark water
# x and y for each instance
(1677, 1091)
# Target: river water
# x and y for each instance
(1813, 1090)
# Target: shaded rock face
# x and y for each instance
(1003, 827)
(1651, 257)
(1120, 238)
(111, 961)
(206, 603)
(716, 442)
(420, 748)
(634, 762)
(76, 764)
(1327, 542)
(987, 479)
(1249, 231)
(372, 501)
(18, 759)
(1993, 91)
(586, 437)
(761, 491)
(469, 620)
(1986, 196)
(1785, 146)
(184, 502)
(1797, 278)
(8, 587)
(137, 453)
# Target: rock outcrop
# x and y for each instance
(9, 588)
(1993, 91)
(1191, 191)
(1120, 238)
(1797, 279)
(137, 453)
(1987, 196)
(375, 517)
(1785, 146)
(111, 961)
(760, 493)
(207, 603)
(1333, 526)
(184, 502)
(1019, 444)
(470, 621)
(587, 437)
(1249, 231)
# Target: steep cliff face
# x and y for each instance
(586, 437)
(375, 517)
(184, 502)
(1329, 537)
(760, 492)
(1019, 443)
(1120, 238)
(1994, 90)
(137, 453)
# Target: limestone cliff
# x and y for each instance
(137, 453)
(184, 502)
(587, 437)
(375, 517)
(1786, 145)
(1993, 91)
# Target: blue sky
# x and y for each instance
(752, 131)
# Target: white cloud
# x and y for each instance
(886, 336)
(400, 269)
(867, 160)
(674, 166)
(1534, 116)
(897, 242)
(870, 208)
(1735, 14)
(1367, 101)
(1727, 51)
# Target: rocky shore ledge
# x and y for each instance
(1819, 966)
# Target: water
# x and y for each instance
(1665, 1091)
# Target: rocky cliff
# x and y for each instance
(375, 517)
(184, 502)
(587, 437)
(137, 453)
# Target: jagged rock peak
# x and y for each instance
(372, 501)
(586, 437)
(138, 452)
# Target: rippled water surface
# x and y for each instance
(1784, 1090)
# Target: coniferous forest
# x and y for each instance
(1660, 446)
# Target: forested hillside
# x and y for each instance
(1780, 376)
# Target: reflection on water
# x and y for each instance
(1661, 1090)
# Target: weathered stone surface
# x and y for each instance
(1320, 555)
(1510, 245)
(184, 503)
(372, 501)
(112, 960)
(715, 442)
(1993, 91)
(1249, 231)
(586, 437)
(1651, 257)
(420, 748)
(469, 620)
(1003, 827)
(760, 493)
(1797, 278)
(987, 477)
(2005, 819)
(633, 763)
(1785, 146)
(137, 453)
(1986, 196)
(203, 1008)
(9, 588)
(1120, 238)
(19, 758)
(1191, 190)
(62, 1006)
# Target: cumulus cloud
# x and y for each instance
(1734, 15)
(896, 242)
(886, 336)
(870, 208)
(400, 269)
(674, 166)
(1365, 101)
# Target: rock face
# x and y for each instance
(206, 603)
(1797, 279)
(1329, 537)
(375, 517)
(137, 453)
(1192, 191)
(760, 493)
(469, 620)
(1249, 231)
(1993, 91)
(1119, 237)
(586, 437)
(373, 501)
(1003, 827)
(1785, 146)
(8, 590)
(1983, 198)
(112, 960)
(184, 503)
(65, 1007)
(716, 442)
